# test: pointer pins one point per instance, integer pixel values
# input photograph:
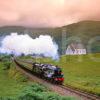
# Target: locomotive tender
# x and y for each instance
(49, 72)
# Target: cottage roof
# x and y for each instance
(74, 46)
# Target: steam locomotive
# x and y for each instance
(46, 71)
(49, 72)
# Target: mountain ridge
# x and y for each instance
(85, 30)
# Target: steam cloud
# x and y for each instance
(24, 44)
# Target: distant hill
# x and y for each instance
(85, 30)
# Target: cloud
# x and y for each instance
(37, 13)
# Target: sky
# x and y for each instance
(47, 13)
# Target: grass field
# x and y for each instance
(8, 86)
(81, 72)
(16, 86)
(84, 74)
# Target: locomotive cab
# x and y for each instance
(58, 76)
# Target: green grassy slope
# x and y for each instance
(8, 86)
(81, 72)
(15, 86)
(85, 30)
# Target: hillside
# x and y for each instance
(16, 86)
(80, 71)
(85, 30)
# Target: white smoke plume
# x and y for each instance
(24, 44)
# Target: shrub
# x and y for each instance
(39, 92)
(20, 77)
(15, 74)
(7, 65)
(31, 96)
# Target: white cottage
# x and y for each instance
(75, 49)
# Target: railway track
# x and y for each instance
(82, 93)
(61, 89)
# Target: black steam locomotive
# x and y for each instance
(49, 72)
